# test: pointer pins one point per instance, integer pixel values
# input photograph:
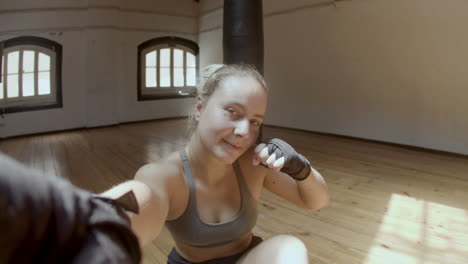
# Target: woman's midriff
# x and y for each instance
(197, 254)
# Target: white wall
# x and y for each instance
(210, 37)
(392, 71)
(99, 40)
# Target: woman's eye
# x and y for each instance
(231, 111)
(256, 123)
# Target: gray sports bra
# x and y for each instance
(191, 230)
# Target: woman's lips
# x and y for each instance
(232, 146)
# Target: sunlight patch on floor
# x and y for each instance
(418, 231)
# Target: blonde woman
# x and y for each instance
(206, 193)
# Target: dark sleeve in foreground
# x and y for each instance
(48, 220)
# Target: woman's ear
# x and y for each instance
(198, 106)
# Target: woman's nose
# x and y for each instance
(242, 127)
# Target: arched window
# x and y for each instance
(167, 68)
(30, 74)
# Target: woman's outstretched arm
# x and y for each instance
(151, 195)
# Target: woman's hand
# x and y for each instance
(278, 155)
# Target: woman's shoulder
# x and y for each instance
(162, 172)
(166, 179)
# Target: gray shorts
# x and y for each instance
(175, 258)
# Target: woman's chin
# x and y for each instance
(227, 157)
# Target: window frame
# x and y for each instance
(171, 91)
(35, 102)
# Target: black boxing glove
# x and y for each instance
(295, 164)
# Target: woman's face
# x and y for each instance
(229, 121)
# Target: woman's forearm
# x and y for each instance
(314, 191)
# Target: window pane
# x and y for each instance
(12, 88)
(28, 61)
(44, 83)
(178, 77)
(151, 59)
(190, 60)
(165, 58)
(13, 62)
(165, 76)
(28, 84)
(178, 58)
(44, 62)
(1, 83)
(151, 77)
(191, 76)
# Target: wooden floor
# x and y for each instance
(389, 204)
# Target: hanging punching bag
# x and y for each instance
(243, 32)
(243, 35)
(1, 58)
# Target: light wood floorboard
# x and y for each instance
(390, 204)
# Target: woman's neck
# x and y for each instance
(205, 165)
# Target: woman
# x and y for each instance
(206, 194)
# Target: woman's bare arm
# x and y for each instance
(311, 193)
(151, 192)
(290, 175)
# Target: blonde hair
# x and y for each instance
(211, 76)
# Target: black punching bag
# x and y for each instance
(1, 58)
(243, 35)
(243, 32)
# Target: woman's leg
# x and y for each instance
(276, 250)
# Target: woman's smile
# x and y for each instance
(232, 146)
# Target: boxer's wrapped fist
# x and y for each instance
(278, 155)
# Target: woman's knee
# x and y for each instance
(288, 246)
(278, 249)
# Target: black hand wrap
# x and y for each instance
(295, 164)
(48, 220)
